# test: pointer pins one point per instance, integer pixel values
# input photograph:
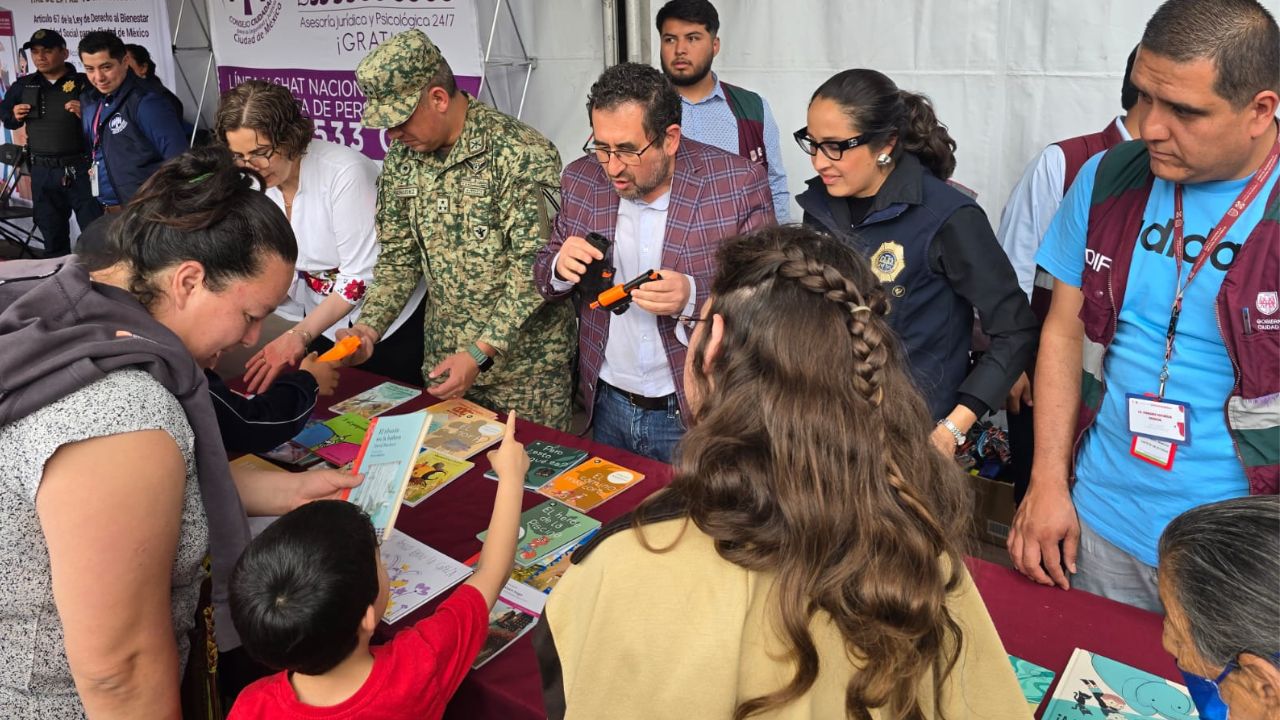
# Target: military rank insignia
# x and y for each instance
(68, 86)
(888, 261)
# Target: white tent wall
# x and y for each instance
(1006, 76)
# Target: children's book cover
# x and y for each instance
(290, 454)
(386, 460)
(253, 462)
(337, 440)
(547, 461)
(514, 614)
(418, 572)
(464, 436)
(544, 575)
(1094, 687)
(590, 484)
(461, 407)
(1035, 681)
(376, 400)
(431, 472)
(545, 529)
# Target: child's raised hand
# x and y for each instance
(510, 459)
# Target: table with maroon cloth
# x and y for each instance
(1036, 623)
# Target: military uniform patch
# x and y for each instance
(442, 205)
(406, 191)
(68, 86)
(888, 261)
(482, 232)
(476, 187)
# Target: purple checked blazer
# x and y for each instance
(714, 195)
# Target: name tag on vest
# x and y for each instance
(405, 191)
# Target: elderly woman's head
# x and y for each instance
(265, 129)
(1220, 584)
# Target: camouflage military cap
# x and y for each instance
(393, 75)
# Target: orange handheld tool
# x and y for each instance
(618, 298)
(341, 349)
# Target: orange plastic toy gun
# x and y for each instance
(341, 349)
(618, 298)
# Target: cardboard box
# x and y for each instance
(993, 509)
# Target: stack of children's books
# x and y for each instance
(546, 530)
(1093, 687)
(456, 430)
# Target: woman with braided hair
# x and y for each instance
(883, 160)
(805, 561)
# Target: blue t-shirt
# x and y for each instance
(1126, 500)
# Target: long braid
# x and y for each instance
(869, 349)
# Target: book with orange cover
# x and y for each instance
(590, 484)
(386, 460)
(461, 407)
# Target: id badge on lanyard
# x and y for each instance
(93, 154)
(1158, 424)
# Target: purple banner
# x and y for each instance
(329, 97)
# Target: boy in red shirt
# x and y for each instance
(309, 591)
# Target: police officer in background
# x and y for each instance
(48, 102)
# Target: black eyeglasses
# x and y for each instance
(628, 157)
(688, 322)
(259, 158)
(833, 149)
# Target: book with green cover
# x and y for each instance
(1035, 680)
(545, 529)
(547, 461)
(337, 439)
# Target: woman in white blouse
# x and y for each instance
(329, 194)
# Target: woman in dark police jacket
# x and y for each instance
(883, 160)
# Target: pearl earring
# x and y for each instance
(883, 159)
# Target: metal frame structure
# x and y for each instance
(182, 71)
(523, 60)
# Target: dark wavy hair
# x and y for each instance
(810, 458)
(877, 108)
(269, 110)
(198, 206)
(699, 12)
(637, 83)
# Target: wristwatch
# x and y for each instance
(955, 431)
(482, 359)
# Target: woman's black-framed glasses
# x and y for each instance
(628, 157)
(258, 158)
(833, 149)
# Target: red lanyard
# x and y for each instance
(1211, 243)
(97, 128)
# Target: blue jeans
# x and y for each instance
(651, 433)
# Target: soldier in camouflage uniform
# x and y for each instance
(462, 201)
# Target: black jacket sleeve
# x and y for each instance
(965, 250)
(264, 421)
(12, 98)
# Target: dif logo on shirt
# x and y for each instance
(1158, 238)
